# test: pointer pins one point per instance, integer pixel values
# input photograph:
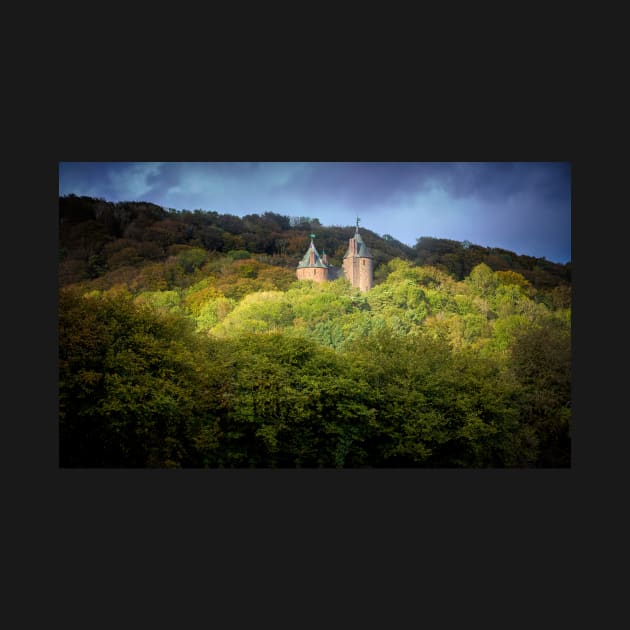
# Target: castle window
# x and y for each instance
(364, 262)
(314, 271)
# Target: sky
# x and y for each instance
(524, 207)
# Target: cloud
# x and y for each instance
(134, 180)
(365, 186)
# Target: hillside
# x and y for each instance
(98, 237)
(185, 340)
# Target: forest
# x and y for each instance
(186, 341)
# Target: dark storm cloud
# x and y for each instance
(166, 177)
(365, 185)
(493, 181)
(171, 175)
(83, 178)
(113, 181)
(500, 181)
(371, 185)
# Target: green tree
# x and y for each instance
(137, 389)
(482, 280)
(541, 362)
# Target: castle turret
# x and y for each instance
(358, 264)
(312, 267)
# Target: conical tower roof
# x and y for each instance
(315, 258)
(362, 249)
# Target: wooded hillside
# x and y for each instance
(185, 340)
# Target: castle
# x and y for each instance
(357, 264)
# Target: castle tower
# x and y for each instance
(312, 267)
(358, 264)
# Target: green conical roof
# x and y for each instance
(362, 250)
(306, 259)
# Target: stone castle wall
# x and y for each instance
(365, 275)
(317, 274)
(348, 269)
(359, 272)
